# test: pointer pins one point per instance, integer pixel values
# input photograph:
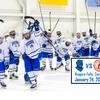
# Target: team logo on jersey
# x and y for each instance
(94, 42)
(79, 65)
(96, 65)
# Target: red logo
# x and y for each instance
(96, 65)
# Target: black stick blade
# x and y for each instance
(1, 21)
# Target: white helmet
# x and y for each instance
(11, 30)
(26, 31)
(68, 40)
(1, 35)
(6, 34)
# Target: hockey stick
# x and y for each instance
(50, 20)
(30, 17)
(87, 14)
(41, 15)
(1, 21)
(95, 24)
(55, 26)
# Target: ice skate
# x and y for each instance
(43, 68)
(51, 68)
(33, 86)
(15, 76)
(3, 85)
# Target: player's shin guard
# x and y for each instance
(67, 66)
(57, 65)
(11, 66)
(2, 79)
(50, 63)
(44, 64)
(36, 75)
(32, 79)
(14, 72)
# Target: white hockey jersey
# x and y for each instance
(77, 43)
(62, 49)
(4, 52)
(49, 47)
(86, 42)
(40, 43)
(36, 34)
(95, 43)
(59, 39)
(30, 47)
(12, 44)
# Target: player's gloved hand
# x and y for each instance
(29, 25)
(37, 28)
(91, 32)
(45, 33)
(49, 41)
(6, 64)
(16, 60)
(44, 45)
(76, 55)
(36, 23)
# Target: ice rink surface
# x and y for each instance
(51, 82)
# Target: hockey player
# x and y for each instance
(85, 49)
(40, 45)
(30, 49)
(13, 44)
(4, 60)
(62, 50)
(60, 38)
(77, 44)
(5, 39)
(47, 50)
(95, 45)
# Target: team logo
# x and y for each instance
(96, 65)
(79, 65)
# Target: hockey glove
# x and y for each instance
(45, 33)
(36, 23)
(50, 41)
(91, 32)
(44, 46)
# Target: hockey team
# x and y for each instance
(37, 47)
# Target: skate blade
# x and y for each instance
(3, 87)
(34, 89)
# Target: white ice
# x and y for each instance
(49, 81)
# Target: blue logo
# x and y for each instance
(79, 65)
